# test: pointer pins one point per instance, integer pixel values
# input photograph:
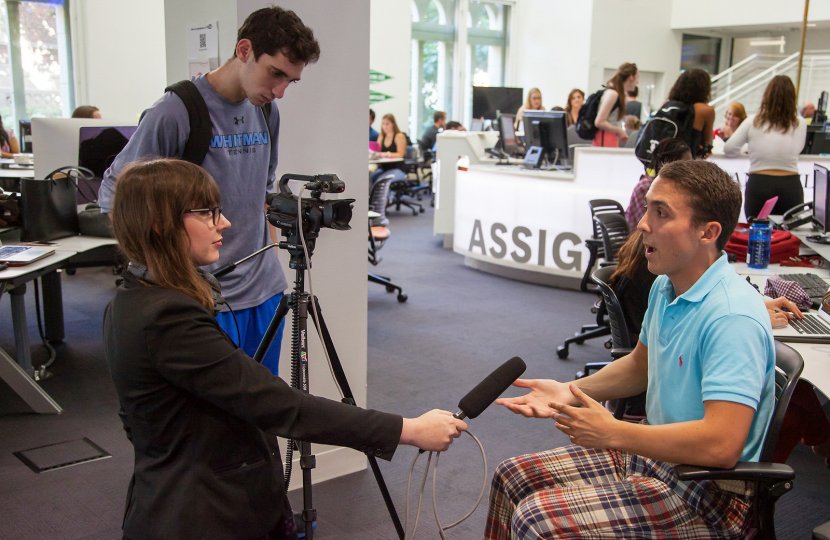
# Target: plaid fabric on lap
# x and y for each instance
(576, 492)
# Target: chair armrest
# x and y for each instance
(620, 352)
(742, 471)
(589, 367)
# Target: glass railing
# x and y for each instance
(745, 82)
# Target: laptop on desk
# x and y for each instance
(21, 255)
(813, 328)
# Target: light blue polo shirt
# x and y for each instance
(712, 343)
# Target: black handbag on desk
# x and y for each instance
(48, 209)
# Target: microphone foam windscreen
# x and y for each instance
(486, 392)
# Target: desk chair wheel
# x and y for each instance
(70, 271)
(608, 345)
(421, 209)
(562, 351)
(402, 298)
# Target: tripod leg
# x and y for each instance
(273, 326)
(348, 397)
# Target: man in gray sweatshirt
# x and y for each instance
(273, 46)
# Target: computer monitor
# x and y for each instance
(25, 136)
(508, 141)
(548, 131)
(57, 140)
(820, 116)
(820, 198)
(476, 124)
(98, 146)
(489, 101)
(818, 141)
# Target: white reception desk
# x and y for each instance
(531, 224)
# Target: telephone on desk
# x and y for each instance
(797, 215)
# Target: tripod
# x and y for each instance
(298, 302)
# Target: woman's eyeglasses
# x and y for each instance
(213, 213)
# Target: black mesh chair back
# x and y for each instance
(379, 195)
(594, 244)
(620, 336)
(788, 366)
(603, 206)
(772, 480)
(613, 230)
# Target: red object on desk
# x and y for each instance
(782, 246)
(808, 261)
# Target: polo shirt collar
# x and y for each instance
(697, 292)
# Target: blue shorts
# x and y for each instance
(253, 322)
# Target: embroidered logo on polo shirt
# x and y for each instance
(680, 362)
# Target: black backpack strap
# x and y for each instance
(266, 112)
(201, 129)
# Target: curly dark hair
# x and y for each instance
(666, 151)
(274, 29)
(713, 194)
(693, 86)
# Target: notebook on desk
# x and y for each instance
(19, 255)
(813, 328)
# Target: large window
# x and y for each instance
(486, 24)
(433, 40)
(35, 63)
(448, 58)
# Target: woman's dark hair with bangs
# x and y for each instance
(273, 30)
(148, 220)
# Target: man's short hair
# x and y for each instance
(371, 115)
(713, 194)
(438, 116)
(274, 29)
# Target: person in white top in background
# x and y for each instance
(775, 136)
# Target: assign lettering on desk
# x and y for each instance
(524, 245)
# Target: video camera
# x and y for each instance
(288, 213)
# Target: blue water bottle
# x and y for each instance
(760, 236)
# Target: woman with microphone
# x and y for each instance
(202, 416)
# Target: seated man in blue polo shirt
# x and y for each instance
(705, 355)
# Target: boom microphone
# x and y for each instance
(486, 392)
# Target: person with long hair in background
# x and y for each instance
(533, 102)
(8, 142)
(694, 87)
(392, 142)
(610, 130)
(775, 137)
(576, 98)
(733, 117)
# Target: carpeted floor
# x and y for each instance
(457, 326)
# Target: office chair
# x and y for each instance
(621, 340)
(772, 480)
(594, 244)
(406, 191)
(379, 231)
(612, 231)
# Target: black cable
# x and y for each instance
(51, 350)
